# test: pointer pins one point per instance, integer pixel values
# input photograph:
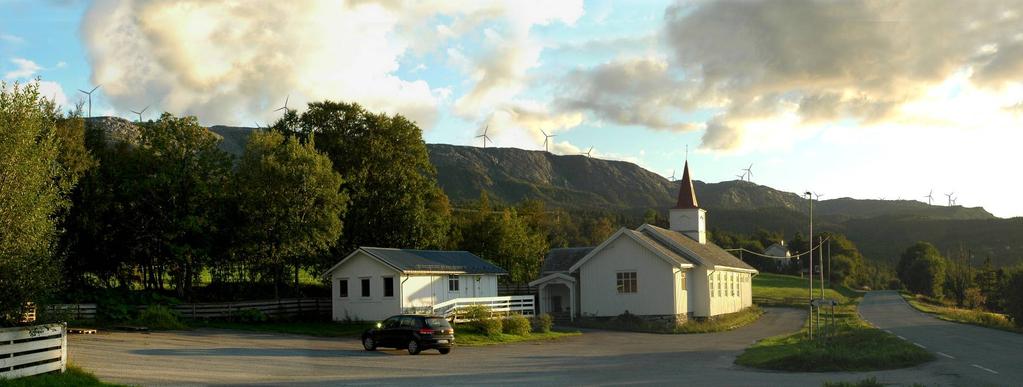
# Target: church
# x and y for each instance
(667, 275)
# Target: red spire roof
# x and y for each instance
(686, 193)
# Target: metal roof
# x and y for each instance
(706, 253)
(436, 261)
(560, 260)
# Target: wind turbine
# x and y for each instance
(484, 136)
(672, 178)
(818, 195)
(949, 195)
(749, 173)
(954, 200)
(140, 112)
(587, 153)
(930, 197)
(89, 93)
(546, 138)
(741, 177)
(285, 107)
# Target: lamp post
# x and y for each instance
(809, 196)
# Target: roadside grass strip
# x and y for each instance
(469, 338)
(854, 345)
(74, 376)
(965, 316)
(786, 290)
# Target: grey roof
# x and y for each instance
(662, 248)
(707, 254)
(560, 260)
(434, 261)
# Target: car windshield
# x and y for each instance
(437, 322)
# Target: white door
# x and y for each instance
(477, 286)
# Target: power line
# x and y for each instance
(774, 257)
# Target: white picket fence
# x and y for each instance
(213, 310)
(525, 305)
(26, 351)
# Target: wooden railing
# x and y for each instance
(525, 305)
(214, 310)
(26, 351)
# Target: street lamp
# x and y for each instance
(809, 196)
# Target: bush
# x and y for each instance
(489, 326)
(543, 323)
(248, 315)
(160, 317)
(974, 299)
(517, 324)
(475, 313)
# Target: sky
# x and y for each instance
(872, 100)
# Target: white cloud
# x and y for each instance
(54, 92)
(12, 39)
(230, 62)
(25, 69)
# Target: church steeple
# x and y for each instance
(687, 217)
(686, 193)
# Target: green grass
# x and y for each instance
(855, 345)
(868, 382)
(469, 338)
(314, 328)
(965, 316)
(787, 290)
(74, 376)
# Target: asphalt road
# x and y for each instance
(970, 354)
(220, 357)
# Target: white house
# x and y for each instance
(374, 283)
(658, 274)
(781, 253)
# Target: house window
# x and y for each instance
(365, 287)
(452, 283)
(388, 286)
(626, 282)
(342, 288)
(683, 282)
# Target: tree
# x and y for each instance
(1014, 297)
(394, 198)
(959, 276)
(289, 202)
(505, 238)
(34, 185)
(922, 269)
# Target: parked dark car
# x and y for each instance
(412, 332)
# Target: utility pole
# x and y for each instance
(820, 254)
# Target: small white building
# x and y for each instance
(374, 283)
(781, 254)
(658, 274)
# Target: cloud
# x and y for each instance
(53, 91)
(25, 69)
(636, 91)
(12, 39)
(835, 60)
(230, 62)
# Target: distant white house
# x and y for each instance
(781, 254)
(657, 274)
(374, 283)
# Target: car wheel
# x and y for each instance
(444, 351)
(413, 347)
(369, 343)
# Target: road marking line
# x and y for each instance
(900, 337)
(986, 369)
(919, 345)
(946, 355)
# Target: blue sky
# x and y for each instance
(846, 99)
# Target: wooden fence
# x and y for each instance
(525, 305)
(26, 351)
(215, 310)
(516, 289)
